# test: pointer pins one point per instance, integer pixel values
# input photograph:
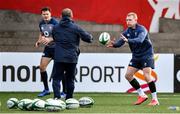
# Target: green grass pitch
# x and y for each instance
(104, 103)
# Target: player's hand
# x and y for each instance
(39, 41)
(46, 40)
(37, 44)
(111, 43)
(123, 38)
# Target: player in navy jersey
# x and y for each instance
(141, 47)
(46, 26)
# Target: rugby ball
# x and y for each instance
(86, 102)
(55, 105)
(25, 104)
(63, 104)
(104, 38)
(12, 103)
(72, 103)
(38, 104)
(47, 100)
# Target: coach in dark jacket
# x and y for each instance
(67, 37)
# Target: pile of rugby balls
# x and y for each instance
(50, 104)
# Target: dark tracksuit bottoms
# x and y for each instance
(60, 69)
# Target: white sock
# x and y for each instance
(154, 95)
(140, 92)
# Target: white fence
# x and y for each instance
(96, 72)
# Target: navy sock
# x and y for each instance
(135, 84)
(45, 80)
(152, 87)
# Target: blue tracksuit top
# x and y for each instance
(139, 42)
(67, 37)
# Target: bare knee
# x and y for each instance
(129, 76)
(44, 63)
(42, 68)
(147, 77)
(147, 74)
(130, 72)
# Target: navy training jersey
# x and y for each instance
(46, 29)
(139, 42)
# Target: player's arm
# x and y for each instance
(116, 43)
(85, 36)
(38, 41)
(40, 37)
(140, 38)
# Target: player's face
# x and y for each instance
(46, 15)
(131, 21)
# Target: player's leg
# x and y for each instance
(64, 86)
(70, 77)
(43, 65)
(51, 52)
(135, 84)
(63, 93)
(147, 74)
(57, 78)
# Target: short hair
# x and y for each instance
(66, 12)
(46, 9)
(132, 14)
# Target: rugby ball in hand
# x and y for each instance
(12, 103)
(72, 103)
(104, 38)
(86, 102)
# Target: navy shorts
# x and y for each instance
(48, 52)
(142, 63)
